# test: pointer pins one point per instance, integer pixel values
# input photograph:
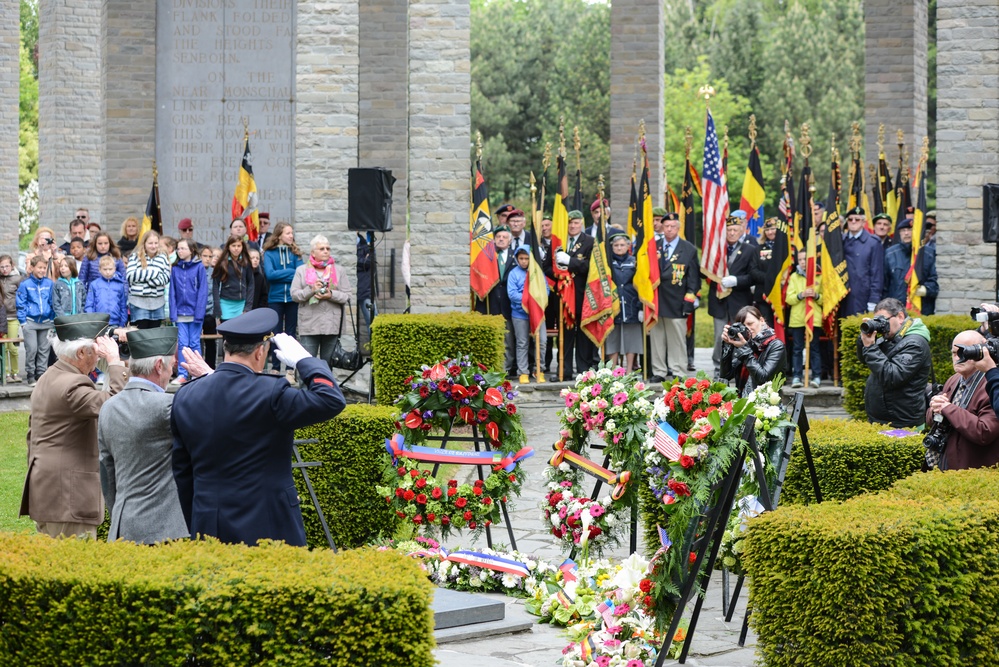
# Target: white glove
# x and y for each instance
(871, 306)
(697, 303)
(289, 351)
(641, 315)
(562, 258)
(728, 282)
(920, 291)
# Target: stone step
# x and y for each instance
(455, 608)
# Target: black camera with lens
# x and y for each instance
(876, 325)
(978, 352)
(737, 329)
(987, 316)
(935, 439)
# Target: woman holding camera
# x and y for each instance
(322, 289)
(751, 352)
(43, 244)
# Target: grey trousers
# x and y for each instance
(716, 353)
(36, 348)
(320, 347)
(522, 332)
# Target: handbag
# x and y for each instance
(343, 359)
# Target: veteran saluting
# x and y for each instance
(233, 433)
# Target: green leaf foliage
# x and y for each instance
(853, 372)
(351, 448)
(907, 577)
(401, 344)
(85, 602)
(851, 458)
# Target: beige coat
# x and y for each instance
(63, 483)
(322, 316)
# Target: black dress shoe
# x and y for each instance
(655, 378)
(691, 367)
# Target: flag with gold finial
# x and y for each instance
(915, 299)
(805, 223)
(151, 219)
(484, 272)
(632, 203)
(647, 277)
(753, 195)
(835, 279)
(564, 284)
(688, 221)
(600, 302)
(244, 200)
(535, 296)
(886, 190)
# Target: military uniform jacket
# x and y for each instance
(499, 301)
(133, 434)
(865, 260)
(579, 267)
(63, 483)
(232, 439)
(679, 275)
(744, 264)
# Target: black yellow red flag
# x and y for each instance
(483, 270)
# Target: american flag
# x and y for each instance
(714, 258)
(666, 441)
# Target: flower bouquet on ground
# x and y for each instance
(451, 395)
(684, 460)
(580, 521)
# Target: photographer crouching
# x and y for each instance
(965, 429)
(752, 354)
(896, 348)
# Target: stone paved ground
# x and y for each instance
(715, 642)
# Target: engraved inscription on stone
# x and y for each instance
(218, 63)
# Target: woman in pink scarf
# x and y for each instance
(321, 288)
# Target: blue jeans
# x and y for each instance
(798, 362)
(287, 323)
(188, 335)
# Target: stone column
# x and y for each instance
(439, 148)
(129, 43)
(636, 93)
(10, 69)
(967, 148)
(70, 112)
(326, 121)
(383, 126)
(895, 81)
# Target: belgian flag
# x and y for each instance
(151, 219)
(835, 280)
(753, 194)
(484, 273)
(915, 301)
(646, 259)
(244, 200)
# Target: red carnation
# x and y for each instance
(483, 415)
(471, 524)
(452, 483)
(682, 439)
(408, 380)
(436, 493)
(557, 532)
(507, 386)
(399, 492)
(595, 531)
(421, 499)
(424, 391)
(445, 520)
(414, 473)
(487, 501)
(426, 426)
(454, 370)
(645, 586)
(696, 397)
(554, 499)
(477, 490)
(467, 515)
(715, 399)
(478, 483)
(690, 382)
(460, 502)
(452, 411)
(420, 483)
(679, 488)
(431, 516)
(401, 471)
(426, 373)
(418, 519)
(408, 495)
(687, 461)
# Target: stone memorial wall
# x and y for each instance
(220, 64)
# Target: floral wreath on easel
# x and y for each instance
(454, 394)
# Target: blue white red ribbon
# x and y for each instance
(397, 447)
(569, 570)
(489, 562)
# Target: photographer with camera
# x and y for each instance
(751, 352)
(322, 289)
(965, 429)
(896, 349)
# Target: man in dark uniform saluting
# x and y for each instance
(233, 433)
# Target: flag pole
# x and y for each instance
(471, 203)
(603, 231)
(806, 150)
(561, 310)
(545, 161)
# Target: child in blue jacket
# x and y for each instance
(188, 300)
(516, 283)
(35, 315)
(109, 293)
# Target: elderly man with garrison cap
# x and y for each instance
(233, 432)
(62, 491)
(133, 436)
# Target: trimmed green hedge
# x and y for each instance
(400, 344)
(907, 577)
(851, 457)
(853, 373)
(84, 602)
(350, 448)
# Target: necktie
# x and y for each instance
(516, 243)
(572, 244)
(502, 263)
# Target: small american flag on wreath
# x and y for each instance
(666, 440)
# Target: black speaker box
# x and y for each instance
(369, 199)
(990, 213)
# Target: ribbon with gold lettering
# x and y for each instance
(565, 455)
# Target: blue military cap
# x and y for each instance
(252, 327)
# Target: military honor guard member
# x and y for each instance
(233, 432)
(62, 491)
(743, 274)
(133, 435)
(576, 258)
(679, 281)
(865, 260)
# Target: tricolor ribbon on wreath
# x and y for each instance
(666, 440)
(618, 480)
(476, 559)
(397, 447)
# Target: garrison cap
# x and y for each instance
(856, 210)
(575, 215)
(158, 342)
(84, 325)
(658, 211)
(252, 327)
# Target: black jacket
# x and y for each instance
(498, 300)
(745, 266)
(895, 392)
(579, 267)
(237, 287)
(679, 275)
(762, 359)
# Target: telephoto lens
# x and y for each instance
(970, 352)
(876, 325)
